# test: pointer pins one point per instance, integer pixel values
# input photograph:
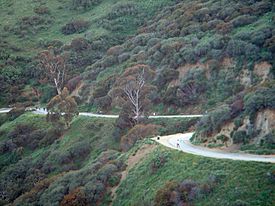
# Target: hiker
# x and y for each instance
(178, 143)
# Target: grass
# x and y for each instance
(12, 11)
(264, 149)
(35, 120)
(246, 181)
(95, 131)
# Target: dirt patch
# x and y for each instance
(77, 89)
(262, 70)
(131, 162)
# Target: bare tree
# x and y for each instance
(54, 67)
(133, 91)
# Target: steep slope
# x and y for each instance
(84, 30)
(203, 52)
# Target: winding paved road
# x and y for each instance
(89, 114)
(186, 146)
(183, 139)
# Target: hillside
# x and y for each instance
(82, 167)
(211, 58)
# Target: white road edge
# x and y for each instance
(186, 146)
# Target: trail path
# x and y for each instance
(131, 162)
(186, 146)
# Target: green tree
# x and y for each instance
(62, 108)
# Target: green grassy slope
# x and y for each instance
(84, 161)
(249, 182)
(51, 156)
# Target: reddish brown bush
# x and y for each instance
(115, 51)
(236, 107)
(79, 44)
(73, 83)
(183, 193)
(224, 28)
(140, 131)
(76, 26)
(41, 10)
(76, 197)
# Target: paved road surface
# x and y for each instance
(184, 140)
(186, 146)
(89, 114)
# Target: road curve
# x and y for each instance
(89, 114)
(184, 140)
(186, 146)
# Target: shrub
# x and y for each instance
(84, 4)
(123, 57)
(163, 195)
(48, 92)
(258, 37)
(214, 120)
(236, 48)
(240, 137)
(109, 61)
(76, 197)
(80, 150)
(115, 51)
(243, 20)
(73, 83)
(139, 131)
(103, 103)
(261, 7)
(104, 86)
(114, 180)
(240, 203)
(15, 112)
(3, 119)
(192, 86)
(202, 49)
(75, 26)
(42, 10)
(165, 76)
(123, 9)
(158, 162)
(79, 44)
(237, 107)
(31, 25)
(223, 138)
(183, 193)
(261, 99)
(189, 55)
(269, 140)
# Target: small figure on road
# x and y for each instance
(178, 143)
(158, 137)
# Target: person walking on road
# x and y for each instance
(178, 143)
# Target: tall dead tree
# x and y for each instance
(54, 68)
(133, 91)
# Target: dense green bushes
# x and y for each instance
(75, 26)
(240, 137)
(123, 9)
(214, 120)
(84, 4)
(26, 171)
(31, 25)
(185, 192)
(263, 98)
